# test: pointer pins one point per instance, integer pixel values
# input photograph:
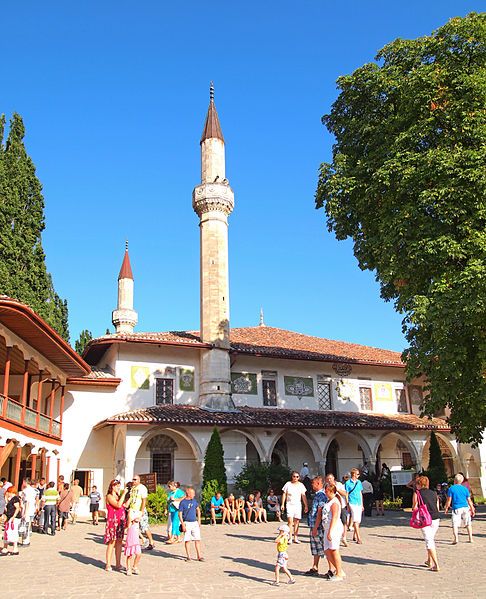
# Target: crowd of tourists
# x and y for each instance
(332, 509)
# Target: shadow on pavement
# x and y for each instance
(366, 561)
(250, 562)
(84, 559)
(232, 573)
(251, 537)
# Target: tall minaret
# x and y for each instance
(124, 318)
(213, 202)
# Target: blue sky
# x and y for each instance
(114, 96)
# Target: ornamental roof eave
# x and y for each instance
(247, 417)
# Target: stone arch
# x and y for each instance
(250, 437)
(301, 447)
(353, 450)
(449, 454)
(172, 454)
(311, 442)
(174, 433)
(389, 442)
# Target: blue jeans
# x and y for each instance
(50, 518)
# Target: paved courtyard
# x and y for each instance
(240, 564)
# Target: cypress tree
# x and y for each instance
(84, 338)
(214, 469)
(436, 471)
(23, 272)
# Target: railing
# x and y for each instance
(14, 411)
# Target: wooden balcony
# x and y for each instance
(14, 412)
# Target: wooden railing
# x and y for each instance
(13, 411)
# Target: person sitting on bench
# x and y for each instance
(217, 506)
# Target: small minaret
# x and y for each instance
(124, 318)
(213, 202)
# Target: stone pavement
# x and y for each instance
(240, 561)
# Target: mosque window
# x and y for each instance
(324, 393)
(164, 391)
(365, 398)
(269, 392)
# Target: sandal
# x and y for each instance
(201, 559)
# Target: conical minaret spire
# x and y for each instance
(213, 202)
(125, 318)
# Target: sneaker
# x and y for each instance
(275, 584)
(291, 581)
(135, 571)
(129, 572)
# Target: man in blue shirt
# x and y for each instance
(217, 502)
(190, 517)
(459, 498)
(354, 489)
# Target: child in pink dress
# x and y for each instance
(133, 550)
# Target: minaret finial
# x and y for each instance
(262, 322)
(211, 92)
(126, 245)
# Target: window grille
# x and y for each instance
(164, 391)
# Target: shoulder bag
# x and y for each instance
(420, 515)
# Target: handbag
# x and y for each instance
(22, 528)
(420, 515)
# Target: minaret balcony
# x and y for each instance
(213, 197)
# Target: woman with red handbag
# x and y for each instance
(428, 497)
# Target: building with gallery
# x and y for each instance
(147, 402)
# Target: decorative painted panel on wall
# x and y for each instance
(244, 383)
(186, 379)
(140, 377)
(383, 392)
(299, 386)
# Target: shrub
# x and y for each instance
(393, 504)
(262, 476)
(208, 491)
(214, 469)
(157, 505)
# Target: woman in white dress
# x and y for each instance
(333, 531)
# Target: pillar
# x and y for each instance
(6, 380)
(39, 399)
(18, 459)
(61, 410)
(33, 465)
(25, 387)
(51, 404)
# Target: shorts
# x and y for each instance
(273, 508)
(294, 511)
(461, 517)
(193, 532)
(429, 533)
(356, 512)
(317, 544)
(335, 541)
(144, 522)
(94, 507)
(282, 558)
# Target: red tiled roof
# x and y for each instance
(279, 343)
(274, 417)
(262, 341)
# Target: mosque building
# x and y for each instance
(141, 402)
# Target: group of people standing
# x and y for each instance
(36, 505)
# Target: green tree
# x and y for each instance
(23, 272)
(407, 184)
(214, 469)
(436, 470)
(84, 338)
(262, 477)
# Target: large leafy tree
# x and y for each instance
(23, 272)
(407, 185)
